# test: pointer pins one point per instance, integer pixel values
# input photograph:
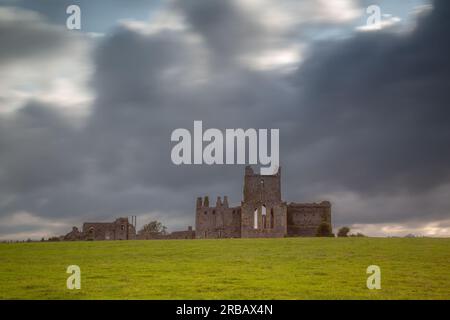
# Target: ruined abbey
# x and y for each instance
(262, 213)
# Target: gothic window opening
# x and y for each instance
(272, 219)
(255, 219)
(91, 233)
(263, 216)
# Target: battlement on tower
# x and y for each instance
(204, 202)
(259, 189)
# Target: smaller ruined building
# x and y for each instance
(120, 229)
(186, 234)
(262, 213)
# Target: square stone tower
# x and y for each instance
(263, 213)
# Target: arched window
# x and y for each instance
(91, 233)
(263, 216)
(255, 219)
(272, 219)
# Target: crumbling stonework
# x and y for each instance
(262, 213)
(73, 235)
(304, 218)
(186, 234)
(120, 229)
(219, 221)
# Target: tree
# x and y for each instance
(154, 227)
(358, 235)
(343, 232)
(324, 230)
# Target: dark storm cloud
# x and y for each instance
(375, 108)
(23, 35)
(226, 28)
(364, 116)
(38, 151)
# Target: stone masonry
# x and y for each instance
(120, 229)
(262, 213)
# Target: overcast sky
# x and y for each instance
(86, 116)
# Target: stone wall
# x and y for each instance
(219, 221)
(185, 234)
(74, 235)
(304, 218)
(264, 214)
(259, 188)
(120, 229)
(256, 224)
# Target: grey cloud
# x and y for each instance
(38, 151)
(226, 28)
(23, 34)
(97, 16)
(365, 116)
(374, 110)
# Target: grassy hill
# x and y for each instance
(290, 268)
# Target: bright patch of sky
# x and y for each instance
(97, 16)
(100, 16)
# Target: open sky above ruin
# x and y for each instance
(86, 116)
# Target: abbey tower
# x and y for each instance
(264, 214)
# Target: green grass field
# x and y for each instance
(290, 268)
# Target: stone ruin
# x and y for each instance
(120, 229)
(262, 213)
